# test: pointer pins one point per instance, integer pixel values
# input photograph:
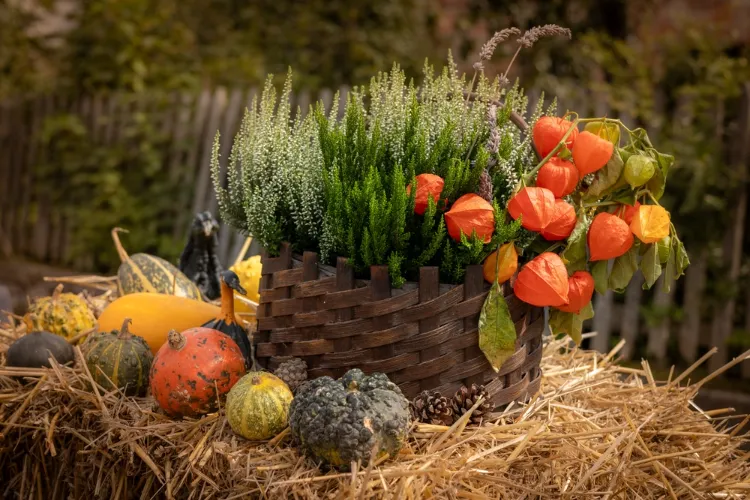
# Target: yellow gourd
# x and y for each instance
(64, 314)
(153, 315)
(248, 271)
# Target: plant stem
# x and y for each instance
(601, 204)
(510, 64)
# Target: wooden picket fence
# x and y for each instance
(31, 227)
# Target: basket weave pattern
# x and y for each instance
(423, 336)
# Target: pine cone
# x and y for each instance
(485, 186)
(431, 407)
(465, 399)
(293, 372)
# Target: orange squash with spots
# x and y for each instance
(193, 369)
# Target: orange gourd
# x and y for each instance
(650, 223)
(580, 291)
(626, 212)
(562, 223)
(609, 237)
(591, 153)
(559, 176)
(428, 185)
(508, 264)
(468, 214)
(548, 132)
(153, 315)
(543, 282)
(535, 204)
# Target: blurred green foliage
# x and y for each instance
(97, 187)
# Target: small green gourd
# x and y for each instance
(120, 359)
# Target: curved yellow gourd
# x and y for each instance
(153, 315)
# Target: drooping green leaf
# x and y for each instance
(670, 271)
(497, 333)
(682, 259)
(606, 178)
(659, 181)
(599, 273)
(651, 266)
(574, 255)
(623, 269)
(570, 324)
(626, 196)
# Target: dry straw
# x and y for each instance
(596, 430)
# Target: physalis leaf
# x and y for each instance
(570, 324)
(574, 255)
(607, 177)
(623, 269)
(651, 266)
(497, 333)
(599, 273)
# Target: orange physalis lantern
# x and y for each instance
(609, 237)
(549, 131)
(428, 185)
(543, 281)
(507, 267)
(471, 213)
(650, 223)
(535, 204)
(580, 291)
(591, 153)
(562, 223)
(626, 212)
(559, 176)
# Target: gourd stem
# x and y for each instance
(57, 292)
(124, 257)
(124, 332)
(243, 251)
(176, 340)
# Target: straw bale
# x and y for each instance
(596, 430)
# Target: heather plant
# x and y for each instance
(341, 186)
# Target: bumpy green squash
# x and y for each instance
(119, 358)
(258, 406)
(341, 421)
(147, 273)
(64, 314)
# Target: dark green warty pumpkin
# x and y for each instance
(147, 273)
(120, 357)
(34, 349)
(340, 421)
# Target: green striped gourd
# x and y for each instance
(258, 406)
(121, 359)
(147, 273)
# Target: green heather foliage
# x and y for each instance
(338, 185)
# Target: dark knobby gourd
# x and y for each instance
(193, 369)
(200, 257)
(227, 322)
(341, 421)
(147, 273)
(119, 359)
(258, 406)
(34, 349)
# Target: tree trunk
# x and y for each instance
(658, 334)
(602, 321)
(631, 314)
(695, 283)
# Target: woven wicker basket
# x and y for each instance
(423, 336)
